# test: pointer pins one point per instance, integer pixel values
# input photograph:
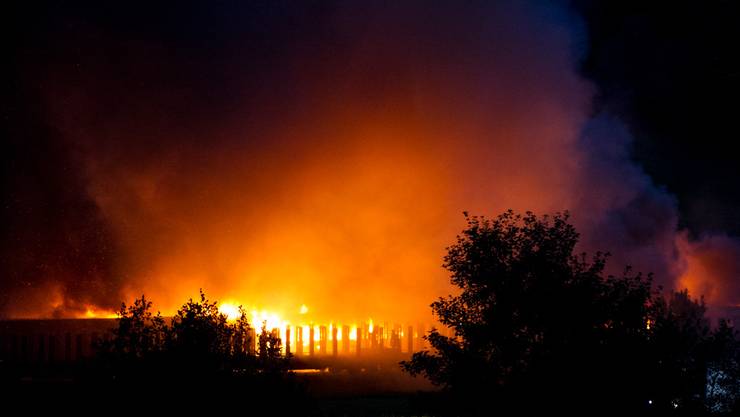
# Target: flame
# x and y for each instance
(94, 313)
(303, 309)
(370, 326)
(272, 321)
(269, 319)
(229, 310)
(305, 336)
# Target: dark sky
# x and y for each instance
(671, 70)
(113, 114)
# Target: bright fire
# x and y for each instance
(93, 313)
(230, 311)
(275, 322)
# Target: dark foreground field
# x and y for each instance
(51, 366)
(384, 390)
(360, 389)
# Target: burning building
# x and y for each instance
(320, 158)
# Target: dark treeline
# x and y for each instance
(539, 328)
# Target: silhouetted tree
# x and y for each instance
(201, 334)
(538, 327)
(241, 336)
(270, 346)
(723, 373)
(679, 341)
(139, 333)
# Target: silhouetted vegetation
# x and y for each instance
(198, 335)
(537, 327)
(199, 351)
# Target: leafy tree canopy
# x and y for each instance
(536, 325)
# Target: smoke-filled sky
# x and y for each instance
(322, 153)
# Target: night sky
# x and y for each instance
(298, 148)
(667, 69)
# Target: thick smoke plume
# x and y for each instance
(324, 155)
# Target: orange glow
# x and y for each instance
(306, 341)
(343, 209)
(710, 269)
(93, 313)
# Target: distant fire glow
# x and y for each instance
(93, 313)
